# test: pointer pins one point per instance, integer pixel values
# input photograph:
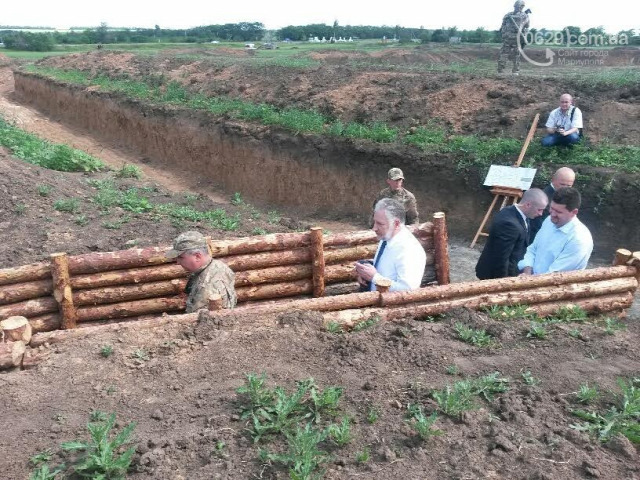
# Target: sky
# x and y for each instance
(614, 15)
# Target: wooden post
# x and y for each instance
(532, 131)
(317, 261)
(441, 244)
(634, 261)
(622, 256)
(62, 290)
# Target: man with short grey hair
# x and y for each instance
(209, 278)
(400, 257)
(564, 124)
(396, 190)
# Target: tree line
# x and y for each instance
(256, 31)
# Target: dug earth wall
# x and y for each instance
(305, 174)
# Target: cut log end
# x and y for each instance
(15, 329)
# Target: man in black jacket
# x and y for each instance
(509, 236)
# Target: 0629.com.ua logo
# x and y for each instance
(563, 44)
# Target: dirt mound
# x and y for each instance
(32, 227)
(180, 387)
(113, 63)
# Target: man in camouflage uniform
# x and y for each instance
(395, 179)
(209, 278)
(513, 24)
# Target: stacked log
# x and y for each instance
(140, 281)
(598, 290)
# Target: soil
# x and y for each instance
(183, 397)
(391, 86)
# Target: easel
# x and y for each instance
(511, 195)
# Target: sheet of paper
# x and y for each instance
(513, 177)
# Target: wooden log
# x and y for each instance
(62, 290)
(101, 296)
(441, 243)
(215, 303)
(634, 261)
(274, 290)
(15, 329)
(383, 285)
(317, 261)
(466, 289)
(606, 303)
(132, 309)
(289, 241)
(129, 276)
(29, 308)
(25, 291)
(11, 354)
(32, 358)
(45, 323)
(25, 273)
(523, 297)
(622, 256)
(102, 261)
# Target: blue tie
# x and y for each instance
(383, 245)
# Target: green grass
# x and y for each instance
(129, 171)
(106, 351)
(623, 417)
(508, 312)
(68, 205)
(528, 378)
(32, 149)
(365, 324)
(478, 338)
(469, 151)
(587, 394)
(538, 331)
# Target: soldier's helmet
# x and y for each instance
(519, 4)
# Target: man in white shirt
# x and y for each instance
(563, 243)
(400, 258)
(564, 124)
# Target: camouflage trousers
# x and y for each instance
(509, 52)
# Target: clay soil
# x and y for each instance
(182, 392)
(396, 86)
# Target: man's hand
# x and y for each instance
(526, 271)
(366, 271)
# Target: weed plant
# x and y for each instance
(479, 338)
(236, 199)
(373, 414)
(587, 394)
(622, 417)
(364, 455)
(528, 378)
(611, 326)
(81, 220)
(303, 457)
(44, 190)
(42, 457)
(129, 171)
(538, 331)
(68, 205)
(105, 455)
(341, 432)
(106, 351)
(334, 327)
(455, 399)
(453, 369)
(365, 324)
(258, 231)
(32, 149)
(568, 315)
(422, 424)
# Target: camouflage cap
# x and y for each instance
(395, 174)
(519, 3)
(187, 241)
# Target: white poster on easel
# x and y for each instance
(512, 177)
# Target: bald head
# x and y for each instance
(564, 177)
(566, 101)
(533, 203)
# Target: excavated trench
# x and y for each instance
(307, 175)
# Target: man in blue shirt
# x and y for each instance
(563, 243)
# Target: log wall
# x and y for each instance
(141, 281)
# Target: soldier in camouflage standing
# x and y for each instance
(513, 24)
(395, 190)
(209, 278)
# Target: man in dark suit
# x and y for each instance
(564, 177)
(509, 236)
